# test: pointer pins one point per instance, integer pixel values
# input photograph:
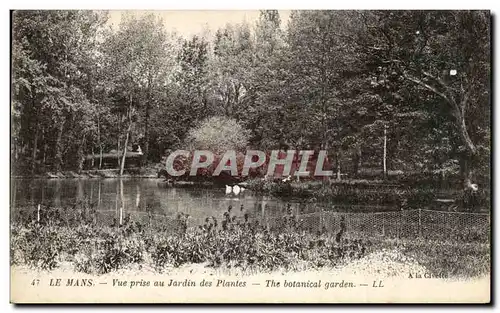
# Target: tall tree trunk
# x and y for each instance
(116, 221)
(122, 201)
(146, 132)
(59, 148)
(44, 148)
(80, 156)
(465, 169)
(122, 165)
(146, 120)
(100, 157)
(44, 159)
(469, 155)
(464, 134)
(35, 139)
(99, 139)
(35, 148)
(357, 160)
(118, 141)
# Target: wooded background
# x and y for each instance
(349, 82)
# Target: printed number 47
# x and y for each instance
(35, 282)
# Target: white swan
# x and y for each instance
(236, 189)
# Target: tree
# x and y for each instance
(51, 53)
(231, 68)
(321, 63)
(136, 64)
(192, 78)
(265, 115)
(137, 59)
(445, 54)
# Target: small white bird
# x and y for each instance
(474, 187)
(229, 189)
(242, 189)
(287, 179)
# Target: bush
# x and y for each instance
(40, 246)
(218, 134)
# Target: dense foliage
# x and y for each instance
(345, 81)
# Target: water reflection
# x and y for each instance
(150, 195)
(139, 195)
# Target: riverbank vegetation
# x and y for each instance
(46, 239)
(144, 172)
(359, 84)
(402, 196)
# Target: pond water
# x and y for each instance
(151, 195)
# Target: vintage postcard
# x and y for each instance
(273, 156)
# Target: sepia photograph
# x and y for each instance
(250, 156)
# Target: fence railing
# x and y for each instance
(420, 223)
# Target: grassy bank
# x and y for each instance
(227, 244)
(145, 172)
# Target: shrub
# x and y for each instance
(218, 134)
(40, 246)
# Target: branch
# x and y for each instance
(427, 86)
(438, 79)
(463, 103)
(447, 88)
(465, 100)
